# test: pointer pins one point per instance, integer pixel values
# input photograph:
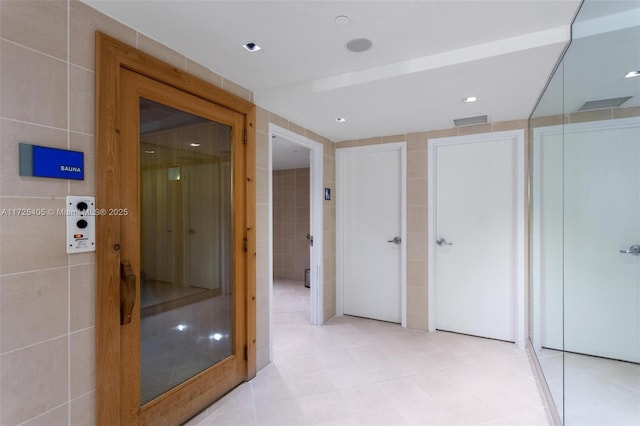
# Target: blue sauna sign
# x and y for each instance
(42, 161)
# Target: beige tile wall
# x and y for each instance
(291, 198)
(47, 298)
(417, 301)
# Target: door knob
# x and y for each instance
(634, 250)
(443, 242)
(396, 240)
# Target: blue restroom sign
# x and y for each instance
(42, 161)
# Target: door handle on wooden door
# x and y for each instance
(127, 292)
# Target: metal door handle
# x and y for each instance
(396, 240)
(127, 292)
(634, 250)
(442, 242)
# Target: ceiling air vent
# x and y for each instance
(603, 103)
(480, 119)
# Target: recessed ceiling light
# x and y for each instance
(341, 119)
(194, 144)
(359, 45)
(632, 74)
(469, 99)
(251, 46)
(149, 151)
(342, 20)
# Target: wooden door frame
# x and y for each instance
(519, 255)
(111, 56)
(340, 212)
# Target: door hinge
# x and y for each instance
(246, 353)
(245, 245)
(245, 137)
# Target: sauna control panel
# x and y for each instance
(81, 224)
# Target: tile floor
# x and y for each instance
(354, 371)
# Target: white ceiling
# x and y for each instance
(426, 56)
(289, 155)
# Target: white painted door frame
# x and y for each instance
(340, 176)
(518, 138)
(316, 196)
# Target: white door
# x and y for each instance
(476, 236)
(601, 218)
(370, 210)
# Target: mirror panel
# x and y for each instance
(585, 220)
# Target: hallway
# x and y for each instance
(354, 371)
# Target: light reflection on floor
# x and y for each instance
(178, 343)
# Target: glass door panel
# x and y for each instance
(186, 306)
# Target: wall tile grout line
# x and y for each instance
(75, 265)
(34, 50)
(55, 268)
(77, 132)
(69, 192)
(82, 330)
(43, 414)
(80, 66)
(27, 197)
(51, 339)
(79, 397)
(35, 124)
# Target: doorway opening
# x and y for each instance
(295, 224)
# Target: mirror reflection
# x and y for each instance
(186, 273)
(585, 220)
